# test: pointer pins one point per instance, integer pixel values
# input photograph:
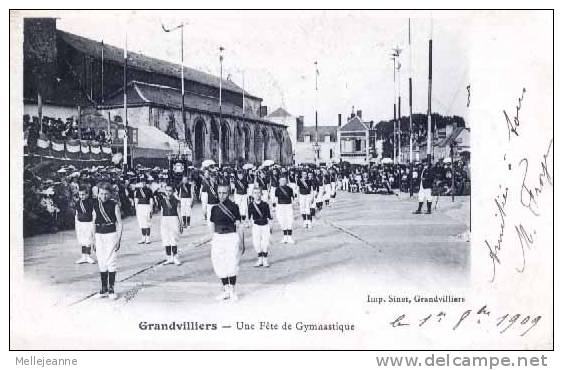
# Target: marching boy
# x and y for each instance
(108, 229)
(144, 205)
(305, 189)
(84, 224)
(259, 211)
(170, 225)
(284, 211)
(227, 243)
(240, 196)
(185, 193)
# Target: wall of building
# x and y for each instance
(51, 111)
(304, 152)
(291, 125)
(244, 141)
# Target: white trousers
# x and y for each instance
(273, 194)
(241, 200)
(85, 233)
(204, 204)
(169, 230)
(305, 204)
(327, 191)
(105, 252)
(250, 189)
(186, 207)
(261, 237)
(294, 187)
(333, 189)
(425, 195)
(265, 195)
(144, 215)
(320, 196)
(225, 254)
(284, 214)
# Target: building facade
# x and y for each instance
(316, 144)
(356, 141)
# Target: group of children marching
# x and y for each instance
(256, 199)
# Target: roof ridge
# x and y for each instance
(234, 87)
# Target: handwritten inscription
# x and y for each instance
(532, 179)
(529, 193)
(513, 123)
(519, 322)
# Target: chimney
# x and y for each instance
(359, 113)
(339, 119)
(300, 121)
(263, 111)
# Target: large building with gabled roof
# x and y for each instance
(69, 71)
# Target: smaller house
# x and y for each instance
(356, 141)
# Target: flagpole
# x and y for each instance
(125, 138)
(102, 71)
(243, 92)
(399, 107)
(316, 114)
(410, 110)
(220, 102)
(429, 115)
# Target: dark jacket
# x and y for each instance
(427, 178)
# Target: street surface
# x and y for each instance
(376, 236)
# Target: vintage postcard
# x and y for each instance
(259, 179)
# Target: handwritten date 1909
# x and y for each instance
(520, 322)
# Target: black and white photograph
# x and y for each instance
(260, 179)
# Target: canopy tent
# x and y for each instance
(153, 143)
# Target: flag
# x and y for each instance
(72, 149)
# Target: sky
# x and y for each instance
(276, 51)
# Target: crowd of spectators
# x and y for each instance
(57, 129)
(389, 178)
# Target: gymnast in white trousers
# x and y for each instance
(143, 208)
(185, 191)
(259, 213)
(108, 238)
(284, 210)
(227, 243)
(84, 224)
(305, 199)
(170, 225)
